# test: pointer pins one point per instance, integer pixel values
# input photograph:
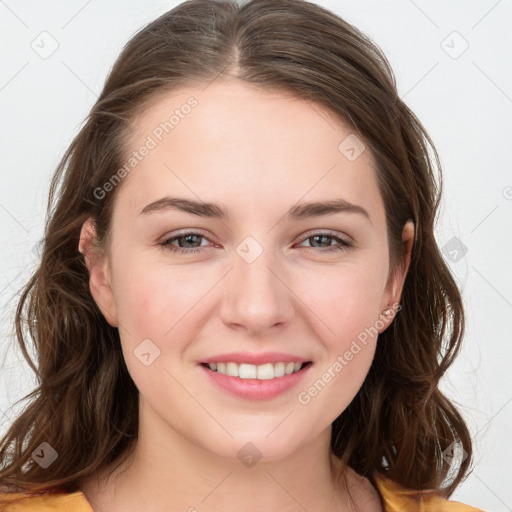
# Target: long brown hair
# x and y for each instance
(86, 404)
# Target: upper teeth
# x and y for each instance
(251, 371)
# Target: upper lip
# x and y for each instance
(256, 359)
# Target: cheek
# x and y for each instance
(163, 304)
(347, 300)
(152, 313)
(152, 298)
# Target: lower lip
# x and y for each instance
(256, 389)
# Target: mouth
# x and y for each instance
(267, 371)
(255, 382)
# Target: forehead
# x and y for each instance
(244, 146)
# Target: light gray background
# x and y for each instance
(462, 97)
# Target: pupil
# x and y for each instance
(189, 238)
(320, 236)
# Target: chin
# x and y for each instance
(250, 445)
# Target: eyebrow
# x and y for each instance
(297, 212)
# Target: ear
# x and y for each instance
(99, 272)
(391, 298)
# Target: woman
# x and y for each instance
(289, 357)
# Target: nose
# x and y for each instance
(256, 296)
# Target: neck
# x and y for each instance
(165, 471)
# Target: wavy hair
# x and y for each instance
(86, 405)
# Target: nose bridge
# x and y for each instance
(256, 295)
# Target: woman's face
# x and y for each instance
(271, 275)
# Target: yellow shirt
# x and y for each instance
(396, 499)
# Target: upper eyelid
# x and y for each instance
(306, 236)
(185, 233)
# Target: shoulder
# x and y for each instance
(54, 502)
(397, 498)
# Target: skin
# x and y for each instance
(257, 153)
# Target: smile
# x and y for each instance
(252, 371)
(255, 382)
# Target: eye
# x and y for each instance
(322, 237)
(190, 237)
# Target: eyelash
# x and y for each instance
(343, 244)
